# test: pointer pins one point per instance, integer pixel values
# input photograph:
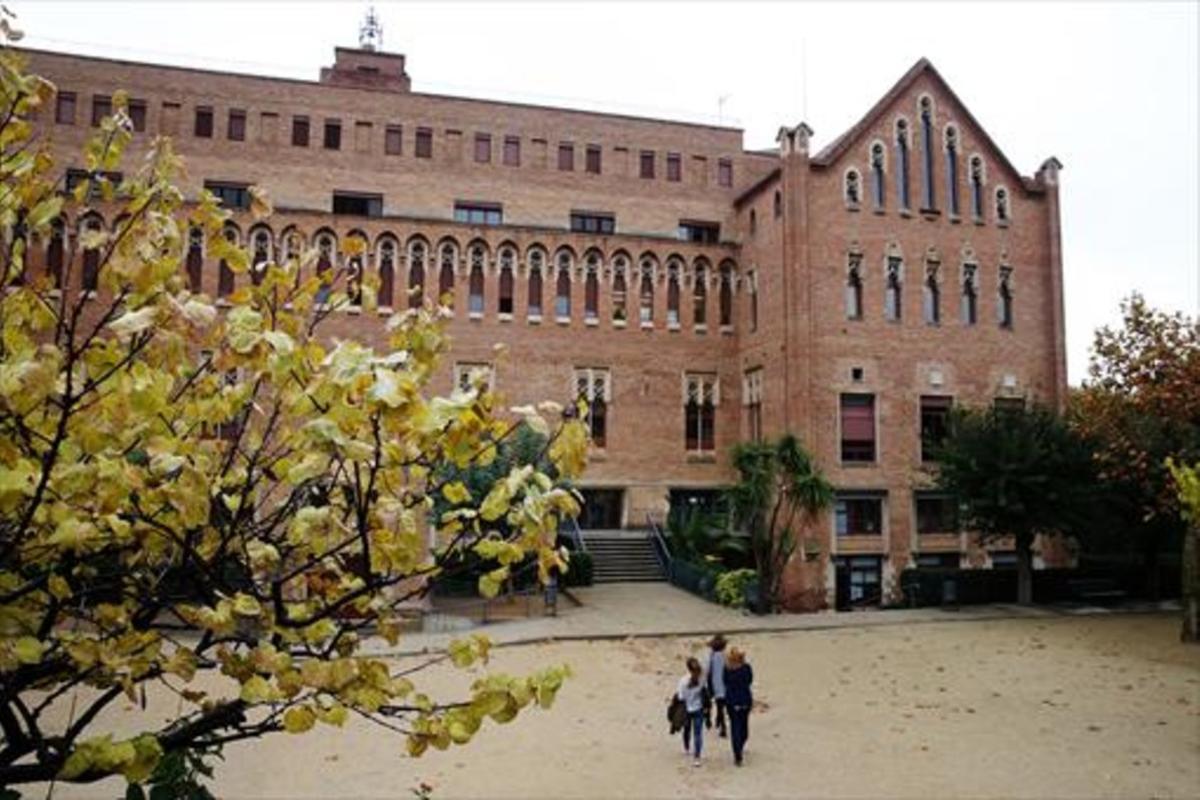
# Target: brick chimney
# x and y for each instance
(367, 69)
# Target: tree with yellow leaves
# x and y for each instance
(189, 490)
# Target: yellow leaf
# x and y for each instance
(246, 606)
(28, 650)
(456, 493)
(299, 719)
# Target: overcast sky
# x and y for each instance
(1109, 88)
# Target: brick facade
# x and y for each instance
(773, 280)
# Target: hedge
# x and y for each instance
(924, 587)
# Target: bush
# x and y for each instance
(581, 570)
(695, 578)
(731, 587)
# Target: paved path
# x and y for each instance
(623, 610)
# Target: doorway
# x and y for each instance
(601, 509)
(858, 582)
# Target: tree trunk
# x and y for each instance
(1191, 584)
(1024, 572)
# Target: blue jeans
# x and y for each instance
(693, 732)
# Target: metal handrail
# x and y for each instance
(660, 544)
(575, 534)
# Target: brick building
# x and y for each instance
(693, 292)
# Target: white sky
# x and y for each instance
(1109, 88)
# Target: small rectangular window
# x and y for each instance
(593, 159)
(593, 222)
(204, 122)
(858, 516)
(424, 143)
(232, 195)
(1009, 405)
(935, 418)
(393, 139)
(237, 125)
(333, 134)
(478, 213)
(137, 115)
(483, 148)
(300, 131)
(701, 232)
(725, 172)
(647, 164)
(74, 177)
(699, 412)
(674, 168)
(358, 204)
(566, 157)
(101, 108)
(936, 513)
(64, 109)
(858, 427)
(512, 151)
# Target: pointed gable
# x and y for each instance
(923, 69)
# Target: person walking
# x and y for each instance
(716, 679)
(739, 700)
(692, 692)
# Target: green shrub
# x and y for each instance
(731, 587)
(580, 571)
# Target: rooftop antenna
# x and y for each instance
(370, 33)
(803, 78)
(721, 108)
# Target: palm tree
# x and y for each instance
(779, 491)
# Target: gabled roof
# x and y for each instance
(756, 187)
(835, 149)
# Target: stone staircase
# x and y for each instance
(622, 555)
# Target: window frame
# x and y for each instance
(858, 451)
(61, 100)
(301, 131)
(203, 122)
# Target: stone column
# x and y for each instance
(1048, 176)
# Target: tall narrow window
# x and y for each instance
(424, 146)
(393, 140)
(195, 260)
(931, 294)
(620, 290)
(893, 305)
(977, 188)
(725, 172)
(673, 294)
(854, 287)
(935, 419)
(926, 107)
(562, 288)
(225, 277)
(1005, 298)
(537, 263)
(446, 275)
(483, 148)
(726, 299)
(204, 122)
(878, 179)
(646, 164)
(952, 168)
(646, 294)
(674, 168)
(236, 130)
(778, 204)
(753, 222)
(970, 295)
(752, 298)
(752, 400)
(700, 403)
(137, 115)
(566, 157)
(387, 273)
(504, 304)
(55, 252)
(354, 281)
(592, 161)
(902, 163)
(326, 252)
(853, 191)
(592, 388)
(416, 274)
(261, 250)
(591, 288)
(91, 260)
(333, 134)
(858, 427)
(64, 109)
(299, 131)
(512, 151)
(475, 283)
(1001, 205)
(101, 108)
(700, 297)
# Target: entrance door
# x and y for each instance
(601, 509)
(858, 584)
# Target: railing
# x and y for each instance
(661, 550)
(573, 533)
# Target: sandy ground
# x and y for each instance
(1065, 707)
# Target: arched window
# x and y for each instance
(893, 298)
(475, 282)
(417, 257)
(778, 204)
(261, 244)
(902, 163)
(854, 287)
(91, 259)
(537, 263)
(752, 292)
(726, 299)
(1001, 204)
(55, 252)
(977, 187)
(354, 281)
(969, 304)
(926, 108)
(504, 300)
(753, 222)
(931, 294)
(293, 247)
(620, 290)
(673, 294)
(446, 275)
(700, 296)
(562, 288)
(591, 288)
(952, 168)
(646, 293)
(387, 273)
(853, 191)
(195, 260)
(878, 179)
(225, 277)
(1005, 298)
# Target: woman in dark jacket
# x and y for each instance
(738, 700)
